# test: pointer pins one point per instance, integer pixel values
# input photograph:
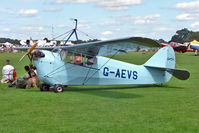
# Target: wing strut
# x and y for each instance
(86, 80)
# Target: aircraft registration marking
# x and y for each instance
(121, 73)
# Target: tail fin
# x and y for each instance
(164, 60)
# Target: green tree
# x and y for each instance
(13, 41)
(161, 41)
(181, 36)
(192, 36)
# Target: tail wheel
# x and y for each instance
(58, 88)
(44, 87)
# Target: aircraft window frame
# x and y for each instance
(63, 55)
(78, 58)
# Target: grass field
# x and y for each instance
(171, 108)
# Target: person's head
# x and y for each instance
(27, 68)
(7, 62)
(28, 42)
(34, 68)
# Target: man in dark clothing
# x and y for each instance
(30, 72)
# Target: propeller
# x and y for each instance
(29, 51)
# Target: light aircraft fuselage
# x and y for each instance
(105, 71)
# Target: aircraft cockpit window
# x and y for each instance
(91, 60)
(79, 59)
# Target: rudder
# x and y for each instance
(164, 58)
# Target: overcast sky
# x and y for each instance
(101, 19)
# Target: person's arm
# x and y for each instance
(3, 71)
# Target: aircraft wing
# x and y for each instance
(25, 48)
(109, 47)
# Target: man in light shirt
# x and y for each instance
(7, 73)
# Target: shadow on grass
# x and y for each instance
(112, 94)
(104, 91)
(108, 91)
(118, 87)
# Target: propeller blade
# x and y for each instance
(29, 51)
(23, 57)
(32, 48)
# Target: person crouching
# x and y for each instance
(32, 77)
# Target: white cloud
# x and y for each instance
(118, 29)
(6, 29)
(83, 26)
(117, 5)
(33, 28)
(194, 5)
(162, 29)
(118, 8)
(110, 23)
(146, 19)
(40, 28)
(128, 19)
(52, 9)
(195, 25)
(7, 10)
(141, 21)
(28, 12)
(82, 21)
(187, 16)
(72, 1)
(111, 5)
(61, 26)
(107, 33)
(139, 35)
(191, 10)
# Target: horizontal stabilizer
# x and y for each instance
(178, 73)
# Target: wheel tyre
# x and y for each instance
(58, 88)
(44, 87)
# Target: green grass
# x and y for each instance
(171, 108)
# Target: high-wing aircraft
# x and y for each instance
(85, 64)
(177, 47)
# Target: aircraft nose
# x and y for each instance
(37, 54)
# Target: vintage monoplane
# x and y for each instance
(85, 64)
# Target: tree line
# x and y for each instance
(181, 36)
(13, 41)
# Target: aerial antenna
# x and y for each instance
(74, 31)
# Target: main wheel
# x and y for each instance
(58, 88)
(44, 87)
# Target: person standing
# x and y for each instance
(7, 73)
